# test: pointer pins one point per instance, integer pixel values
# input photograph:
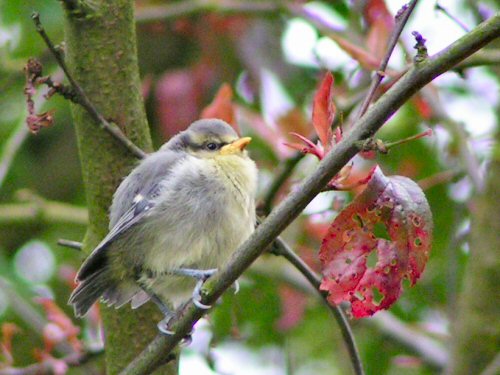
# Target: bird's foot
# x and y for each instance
(236, 286)
(197, 296)
(194, 273)
(163, 325)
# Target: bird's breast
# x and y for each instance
(205, 211)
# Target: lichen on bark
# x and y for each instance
(102, 57)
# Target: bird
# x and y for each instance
(174, 221)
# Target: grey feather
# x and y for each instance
(184, 206)
(126, 211)
(90, 290)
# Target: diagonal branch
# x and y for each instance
(417, 77)
(82, 98)
(280, 247)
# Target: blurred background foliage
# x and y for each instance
(273, 58)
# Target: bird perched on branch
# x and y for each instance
(175, 219)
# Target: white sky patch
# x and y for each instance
(320, 203)
(235, 358)
(298, 43)
(35, 262)
(476, 107)
(275, 100)
(10, 36)
(332, 56)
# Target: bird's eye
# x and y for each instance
(212, 146)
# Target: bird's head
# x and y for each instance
(209, 138)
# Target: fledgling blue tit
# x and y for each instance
(175, 219)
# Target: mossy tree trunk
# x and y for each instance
(101, 54)
(476, 338)
(476, 329)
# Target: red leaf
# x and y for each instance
(381, 23)
(57, 316)
(8, 332)
(365, 58)
(293, 307)
(397, 206)
(222, 107)
(177, 95)
(309, 148)
(323, 111)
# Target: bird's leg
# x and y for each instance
(167, 313)
(201, 276)
(194, 273)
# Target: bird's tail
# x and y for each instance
(90, 290)
(102, 284)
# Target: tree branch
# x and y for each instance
(82, 98)
(485, 57)
(418, 76)
(401, 19)
(11, 147)
(186, 8)
(190, 7)
(37, 209)
(430, 350)
(47, 366)
(281, 248)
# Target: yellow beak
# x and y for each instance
(236, 146)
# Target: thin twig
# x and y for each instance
(70, 244)
(430, 350)
(469, 159)
(451, 16)
(47, 366)
(485, 57)
(83, 100)
(283, 175)
(493, 367)
(416, 77)
(186, 8)
(438, 178)
(280, 247)
(171, 11)
(11, 147)
(38, 209)
(401, 19)
(23, 309)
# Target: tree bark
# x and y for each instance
(476, 336)
(476, 328)
(101, 54)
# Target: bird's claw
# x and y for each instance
(186, 340)
(236, 286)
(163, 326)
(197, 296)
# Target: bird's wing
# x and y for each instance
(137, 205)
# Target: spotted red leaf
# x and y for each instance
(323, 111)
(390, 221)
